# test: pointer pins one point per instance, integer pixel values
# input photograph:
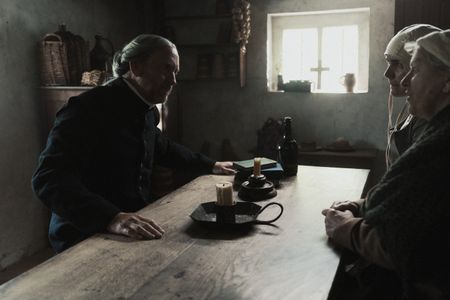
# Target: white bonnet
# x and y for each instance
(395, 48)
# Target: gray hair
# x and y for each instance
(139, 48)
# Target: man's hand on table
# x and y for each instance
(224, 167)
(353, 206)
(335, 218)
(135, 226)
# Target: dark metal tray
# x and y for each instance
(242, 213)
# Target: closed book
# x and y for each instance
(273, 173)
(247, 165)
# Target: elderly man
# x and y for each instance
(403, 226)
(94, 173)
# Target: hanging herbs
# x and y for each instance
(241, 33)
(241, 21)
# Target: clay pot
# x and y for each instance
(349, 81)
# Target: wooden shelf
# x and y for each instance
(228, 45)
(54, 97)
(200, 17)
(64, 88)
(223, 35)
(207, 79)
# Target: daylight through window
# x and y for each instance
(320, 47)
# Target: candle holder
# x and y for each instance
(226, 214)
(257, 188)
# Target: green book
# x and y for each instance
(245, 165)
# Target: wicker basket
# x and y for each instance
(64, 57)
(53, 59)
(93, 78)
(77, 54)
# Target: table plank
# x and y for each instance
(288, 260)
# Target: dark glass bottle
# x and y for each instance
(280, 85)
(100, 56)
(288, 150)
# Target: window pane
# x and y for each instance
(339, 54)
(299, 54)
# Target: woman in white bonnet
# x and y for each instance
(406, 128)
(403, 227)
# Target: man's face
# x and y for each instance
(424, 87)
(395, 72)
(157, 75)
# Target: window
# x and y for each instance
(320, 47)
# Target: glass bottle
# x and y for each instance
(288, 150)
(280, 85)
(100, 56)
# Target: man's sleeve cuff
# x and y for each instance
(343, 234)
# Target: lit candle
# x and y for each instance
(224, 191)
(257, 166)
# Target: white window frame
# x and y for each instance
(277, 22)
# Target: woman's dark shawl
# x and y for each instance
(410, 207)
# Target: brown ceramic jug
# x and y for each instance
(348, 80)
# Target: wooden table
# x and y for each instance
(290, 260)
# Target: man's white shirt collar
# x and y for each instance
(151, 105)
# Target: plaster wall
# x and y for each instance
(23, 23)
(218, 109)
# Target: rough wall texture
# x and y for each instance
(234, 113)
(210, 111)
(22, 24)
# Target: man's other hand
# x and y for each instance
(135, 226)
(352, 206)
(334, 219)
(224, 167)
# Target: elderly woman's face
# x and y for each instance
(424, 87)
(157, 74)
(395, 72)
